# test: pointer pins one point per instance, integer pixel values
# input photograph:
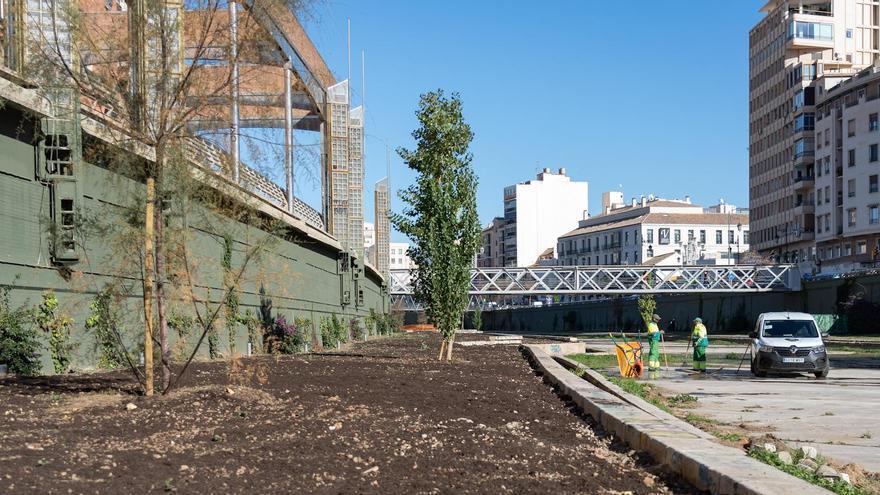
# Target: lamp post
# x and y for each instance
(739, 227)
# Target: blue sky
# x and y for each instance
(652, 96)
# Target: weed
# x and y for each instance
(57, 326)
(828, 413)
(867, 435)
(839, 487)
(682, 399)
(732, 356)
(698, 419)
(729, 437)
(641, 389)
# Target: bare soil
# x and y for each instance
(381, 417)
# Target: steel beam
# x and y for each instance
(591, 280)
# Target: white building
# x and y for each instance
(369, 235)
(399, 258)
(537, 212)
(655, 232)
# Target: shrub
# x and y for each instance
(478, 317)
(104, 322)
(332, 331)
(19, 346)
(371, 322)
(290, 337)
(355, 330)
(57, 327)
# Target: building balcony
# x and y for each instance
(804, 208)
(804, 183)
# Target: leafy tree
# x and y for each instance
(441, 212)
(647, 306)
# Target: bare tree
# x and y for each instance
(156, 72)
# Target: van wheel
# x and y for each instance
(821, 374)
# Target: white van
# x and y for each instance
(788, 342)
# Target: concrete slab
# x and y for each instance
(836, 415)
(704, 463)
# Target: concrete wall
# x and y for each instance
(723, 313)
(297, 272)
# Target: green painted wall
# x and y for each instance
(299, 275)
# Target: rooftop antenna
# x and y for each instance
(364, 84)
(349, 57)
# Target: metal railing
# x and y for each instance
(620, 280)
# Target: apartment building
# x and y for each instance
(654, 231)
(537, 212)
(796, 43)
(400, 260)
(847, 198)
(492, 244)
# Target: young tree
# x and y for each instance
(441, 213)
(478, 316)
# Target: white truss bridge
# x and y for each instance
(609, 280)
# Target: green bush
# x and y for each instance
(57, 327)
(104, 322)
(333, 332)
(19, 345)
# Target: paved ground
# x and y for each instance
(838, 415)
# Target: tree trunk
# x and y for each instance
(148, 286)
(449, 347)
(161, 300)
(442, 348)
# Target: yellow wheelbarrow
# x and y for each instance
(629, 358)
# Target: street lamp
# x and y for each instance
(739, 228)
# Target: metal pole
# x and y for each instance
(288, 137)
(233, 52)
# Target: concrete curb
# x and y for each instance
(671, 442)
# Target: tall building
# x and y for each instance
(847, 199)
(338, 202)
(794, 44)
(356, 180)
(657, 232)
(383, 228)
(346, 169)
(537, 212)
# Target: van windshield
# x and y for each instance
(801, 329)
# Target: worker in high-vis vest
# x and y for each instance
(654, 343)
(700, 340)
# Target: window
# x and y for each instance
(717, 237)
(626, 238)
(872, 184)
(805, 122)
(872, 153)
(690, 235)
(851, 188)
(804, 147)
(746, 237)
(827, 137)
(827, 165)
(811, 30)
(847, 249)
(827, 194)
(730, 237)
(851, 158)
(819, 197)
(873, 122)
(702, 237)
(677, 236)
(874, 214)
(819, 223)
(851, 127)
(861, 247)
(849, 33)
(851, 217)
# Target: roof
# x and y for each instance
(656, 260)
(605, 226)
(665, 218)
